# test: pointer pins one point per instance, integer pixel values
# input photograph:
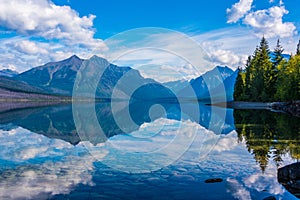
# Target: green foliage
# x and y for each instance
(288, 84)
(239, 87)
(278, 54)
(268, 136)
(269, 80)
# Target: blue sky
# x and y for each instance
(190, 16)
(34, 32)
(117, 16)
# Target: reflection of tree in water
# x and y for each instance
(268, 135)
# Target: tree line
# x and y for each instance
(269, 76)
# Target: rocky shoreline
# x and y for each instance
(292, 107)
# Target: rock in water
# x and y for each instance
(214, 180)
(289, 177)
(270, 198)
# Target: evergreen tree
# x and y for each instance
(266, 80)
(256, 78)
(263, 73)
(248, 72)
(268, 72)
(239, 86)
(277, 54)
(298, 48)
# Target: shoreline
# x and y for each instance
(292, 107)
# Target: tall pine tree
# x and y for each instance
(267, 71)
(239, 86)
(248, 72)
(261, 83)
(298, 48)
(277, 54)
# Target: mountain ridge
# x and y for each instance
(58, 78)
(8, 73)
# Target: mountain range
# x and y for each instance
(8, 73)
(58, 78)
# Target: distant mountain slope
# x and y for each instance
(285, 56)
(8, 73)
(53, 77)
(122, 81)
(207, 84)
(19, 96)
(58, 78)
(17, 86)
(224, 89)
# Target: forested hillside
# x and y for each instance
(269, 76)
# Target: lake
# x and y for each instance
(147, 150)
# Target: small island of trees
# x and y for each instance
(269, 76)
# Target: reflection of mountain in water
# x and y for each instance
(58, 122)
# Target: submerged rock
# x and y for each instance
(270, 198)
(289, 177)
(213, 180)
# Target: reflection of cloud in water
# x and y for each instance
(151, 148)
(19, 145)
(42, 181)
(237, 190)
(45, 166)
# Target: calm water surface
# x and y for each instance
(164, 154)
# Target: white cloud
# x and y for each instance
(268, 22)
(21, 54)
(241, 42)
(149, 61)
(183, 59)
(226, 57)
(238, 10)
(60, 29)
(281, 2)
(45, 19)
(29, 47)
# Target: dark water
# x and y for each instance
(145, 151)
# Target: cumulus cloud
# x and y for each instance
(226, 57)
(268, 22)
(20, 53)
(61, 30)
(29, 47)
(44, 18)
(238, 10)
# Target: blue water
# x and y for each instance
(166, 154)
